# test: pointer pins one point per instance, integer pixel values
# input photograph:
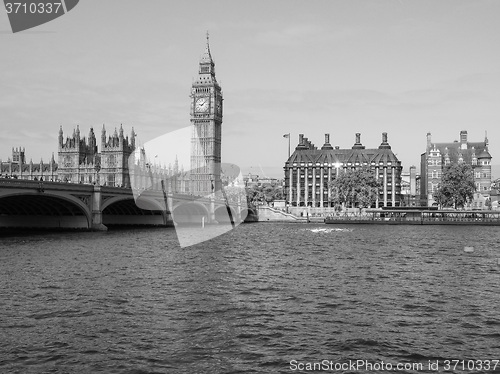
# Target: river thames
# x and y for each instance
(263, 298)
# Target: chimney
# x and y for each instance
(384, 144)
(301, 138)
(358, 144)
(327, 144)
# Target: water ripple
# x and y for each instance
(249, 301)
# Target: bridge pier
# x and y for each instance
(96, 224)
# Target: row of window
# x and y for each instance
(447, 162)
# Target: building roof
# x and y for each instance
(343, 156)
(454, 150)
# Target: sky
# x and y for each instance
(405, 67)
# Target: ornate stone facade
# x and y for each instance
(206, 121)
(80, 162)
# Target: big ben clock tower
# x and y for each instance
(206, 122)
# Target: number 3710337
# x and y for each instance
(33, 7)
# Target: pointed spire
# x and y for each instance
(207, 56)
(206, 62)
(132, 137)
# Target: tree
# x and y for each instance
(264, 193)
(488, 203)
(357, 187)
(457, 186)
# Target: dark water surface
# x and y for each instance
(250, 301)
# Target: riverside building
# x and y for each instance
(438, 155)
(309, 171)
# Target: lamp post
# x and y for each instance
(97, 168)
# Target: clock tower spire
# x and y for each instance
(206, 122)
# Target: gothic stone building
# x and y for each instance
(206, 122)
(309, 170)
(17, 167)
(439, 155)
(80, 162)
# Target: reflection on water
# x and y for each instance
(251, 300)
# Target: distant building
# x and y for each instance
(253, 180)
(17, 167)
(410, 191)
(309, 170)
(439, 155)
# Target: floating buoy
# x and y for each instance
(468, 249)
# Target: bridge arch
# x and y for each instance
(142, 203)
(125, 210)
(222, 215)
(192, 212)
(43, 210)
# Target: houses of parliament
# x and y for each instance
(82, 159)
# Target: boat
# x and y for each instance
(422, 216)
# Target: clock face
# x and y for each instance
(201, 104)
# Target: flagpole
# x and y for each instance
(288, 145)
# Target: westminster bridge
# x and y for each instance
(35, 204)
